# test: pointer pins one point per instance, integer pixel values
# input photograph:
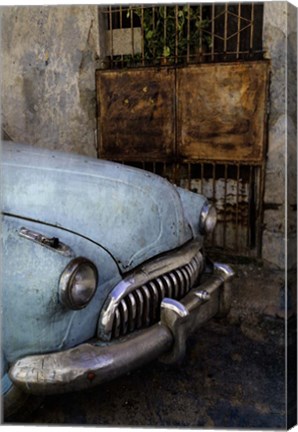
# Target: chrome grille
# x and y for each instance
(140, 307)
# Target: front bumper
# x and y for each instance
(96, 362)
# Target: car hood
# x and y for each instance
(131, 213)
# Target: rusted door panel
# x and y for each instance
(222, 111)
(136, 114)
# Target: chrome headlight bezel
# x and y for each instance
(208, 219)
(67, 295)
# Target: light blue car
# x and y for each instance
(103, 270)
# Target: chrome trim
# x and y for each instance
(66, 281)
(92, 364)
(224, 270)
(185, 263)
(174, 306)
(88, 364)
(203, 295)
(226, 273)
(205, 212)
(52, 243)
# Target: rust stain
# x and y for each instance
(222, 111)
(208, 111)
(136, 114)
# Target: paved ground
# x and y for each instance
(233, 375)
(227, 380)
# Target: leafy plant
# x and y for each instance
(170, 32)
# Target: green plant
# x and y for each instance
(171, 32)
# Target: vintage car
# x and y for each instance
(103, 270)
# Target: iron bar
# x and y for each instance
(132, 32)
(188, 34)
(154, 27)
(165, 31)
(245, 30)
(252, 27)
(121, 27)
(176, 34)
(226, 29)
(189, 175)
(239, 29)
(111, 34)
(260, 200)
(250, 196)
(120, 16)
(237, 208)
(202, 177)
(213, 193)
(201, 35)
(212, 31)
(143, 36)
(225, 206)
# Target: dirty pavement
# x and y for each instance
(233, 376)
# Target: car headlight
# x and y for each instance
(78, 283)
(208, 219)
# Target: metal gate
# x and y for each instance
(199, 122)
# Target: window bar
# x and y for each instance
(111, 34)
(132, 33)
(165, 31)
(164, 170)
(143, 35)
(174, 173)
(252, 28)
(153, 25)
(239, 30)
(225, 206)
(176, 34)
(250, 185)
(213, 181)
(226, 30)
(202, 176)
(189, 175)
(201, 35)
(188, 34)
(120, 16)
(237, 208)
(260, 199)
(213, 31)
(213, 193)
(121, 26)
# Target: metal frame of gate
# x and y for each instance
(236, 185)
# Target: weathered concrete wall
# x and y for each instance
(48, 59)
(280, 34)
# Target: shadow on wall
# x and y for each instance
(5, 136)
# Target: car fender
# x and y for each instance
(35, 319)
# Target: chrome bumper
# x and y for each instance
(94, 363)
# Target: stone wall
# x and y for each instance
(49, 55)
(280, 34)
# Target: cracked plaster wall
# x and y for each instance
(49, 55)
(280, 44)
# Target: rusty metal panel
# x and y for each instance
(222, 111)
(136, 115)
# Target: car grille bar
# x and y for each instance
(140, 307)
